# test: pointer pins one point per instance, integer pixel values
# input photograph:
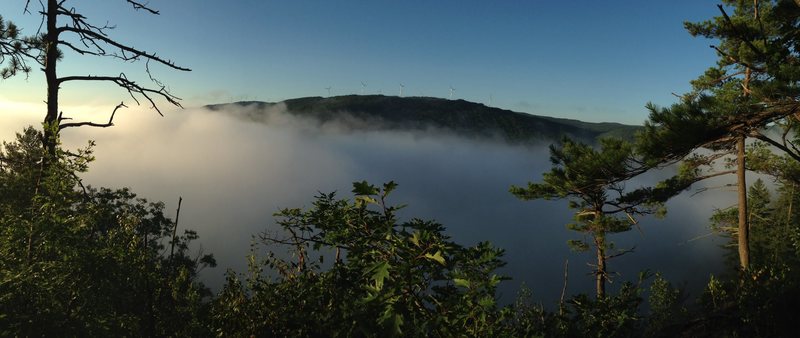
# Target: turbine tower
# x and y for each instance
(329, 91)
(452, 90)
(401, 89)
(363, 86)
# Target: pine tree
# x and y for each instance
(592, 180)
(754, 84)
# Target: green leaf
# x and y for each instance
(364, 189)
(380, 271)
(436, 257)
(461, 282)
(388, 188)
(361, 200)
(486, 301)
(414, 239)
(394, 319)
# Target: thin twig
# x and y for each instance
(564, 288)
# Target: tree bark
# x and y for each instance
(600, 275)
(744, 226)
(744, 229)
(51, 60)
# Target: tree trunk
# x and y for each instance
(744, 226)
(51, 60)
(600, 275)
(744, 230)
(174, 234)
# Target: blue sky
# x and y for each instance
(588, 60)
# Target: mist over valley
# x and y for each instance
(235, 165)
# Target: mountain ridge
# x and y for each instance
(462, 117)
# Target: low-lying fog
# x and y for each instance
(233, 175)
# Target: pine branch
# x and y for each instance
(793, 153)
(739, 34)
(737, 61)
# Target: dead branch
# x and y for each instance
(704, 189)
(135, 54)
(564, 288)
(131, 86)
(138, 5)
(620, 253)
(92, 124)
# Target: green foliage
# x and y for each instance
(752, 88)
(13, 49)
(760, 303)
(613, 316)
(672, 133)
(385, 278)
(79, 261)
(773, 229)
(667, 313)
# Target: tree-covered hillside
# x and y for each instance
(463, 117)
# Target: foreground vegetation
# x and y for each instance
(95, 262)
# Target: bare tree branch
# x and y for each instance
(130, 86)
(621, 253)
(143, 6)
(136, 54)
(78, 50)
(92, 124)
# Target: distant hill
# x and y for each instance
(462, 117)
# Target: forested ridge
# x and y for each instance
(77, 260)
(467, 119)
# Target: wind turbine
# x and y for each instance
(329, 90)
(491, 100)
(363, 86)
(452, 90)
(401, 89)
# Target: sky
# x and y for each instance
(589, 60)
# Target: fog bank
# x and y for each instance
(234, 174)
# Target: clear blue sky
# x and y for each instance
(588, 60)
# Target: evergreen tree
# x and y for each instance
(593, 182)
(754, 84)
